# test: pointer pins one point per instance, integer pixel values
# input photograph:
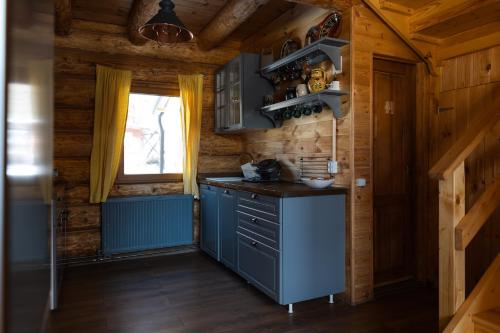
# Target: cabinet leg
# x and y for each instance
(331, 299)
(290, 308)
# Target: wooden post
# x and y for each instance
(451, 261)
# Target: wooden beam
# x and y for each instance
(63, 17)
(451, 261)
(112, 39)
(234, 13)
(464, 146)
(340, 5)
(141, 12)
(395, 7)
(477, 216)
(448, 17)
(400, 26)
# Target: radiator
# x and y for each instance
(144, 223)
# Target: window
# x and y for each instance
(152, 147)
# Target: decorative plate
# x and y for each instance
(288, 47)
(312, 35)
(330, 27)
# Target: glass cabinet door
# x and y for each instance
(221, 106)
(234, 94)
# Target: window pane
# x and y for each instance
(153, 126)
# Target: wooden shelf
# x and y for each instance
(325, 48)
(328, 97)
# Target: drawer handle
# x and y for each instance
(254, 220)
(254, 244)
(254, 196)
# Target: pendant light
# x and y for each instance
(165, 27)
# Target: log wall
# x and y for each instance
(74, 111)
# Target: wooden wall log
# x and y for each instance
(74, 103)
(232, 15)
(141, 12)
(63, 17)
(104, 38)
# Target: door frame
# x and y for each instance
(413, 169)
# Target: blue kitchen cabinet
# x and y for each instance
(260, 265)
(227, 227)
(209, 238)
(290, 248)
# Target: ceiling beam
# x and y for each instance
(63, 17)
(141, 12)
(113, 39)
(234, 13)
(444, 18)
(340, 5)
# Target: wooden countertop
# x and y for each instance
(277, 189)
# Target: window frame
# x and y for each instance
(121, 177)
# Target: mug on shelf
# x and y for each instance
(302, 90)
(334, 85)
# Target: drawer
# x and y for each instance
(264, 231)
(259, 205)
(259, 264)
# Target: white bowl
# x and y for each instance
(317, 183)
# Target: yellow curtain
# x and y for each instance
(191, 92)
(111, 107)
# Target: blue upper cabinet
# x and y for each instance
(227, 227)
(239, 94)
(209, 238)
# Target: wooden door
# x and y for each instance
(393, 131)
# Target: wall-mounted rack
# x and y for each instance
(320, 50)
(314, 53)
(325, 97)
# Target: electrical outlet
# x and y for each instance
(333, 167)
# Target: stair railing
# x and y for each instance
(456, 227)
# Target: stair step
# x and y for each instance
(487, 322)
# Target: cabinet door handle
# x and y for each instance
(254, 196)
(254, 220)
(254, 243)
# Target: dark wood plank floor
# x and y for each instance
(192, 293)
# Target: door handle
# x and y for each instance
(254, 244)
(226, 191)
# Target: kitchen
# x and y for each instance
(255, 165)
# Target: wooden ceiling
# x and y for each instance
(444, 18)
(441, 29)
(195, 14)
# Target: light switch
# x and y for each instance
(360, 182)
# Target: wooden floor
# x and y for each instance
(192, 293)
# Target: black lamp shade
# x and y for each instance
(165, 27)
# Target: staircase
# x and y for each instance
(487, 322)
(480, 312)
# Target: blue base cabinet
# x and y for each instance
(209, 236)
(292, 248)
(227, 227)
